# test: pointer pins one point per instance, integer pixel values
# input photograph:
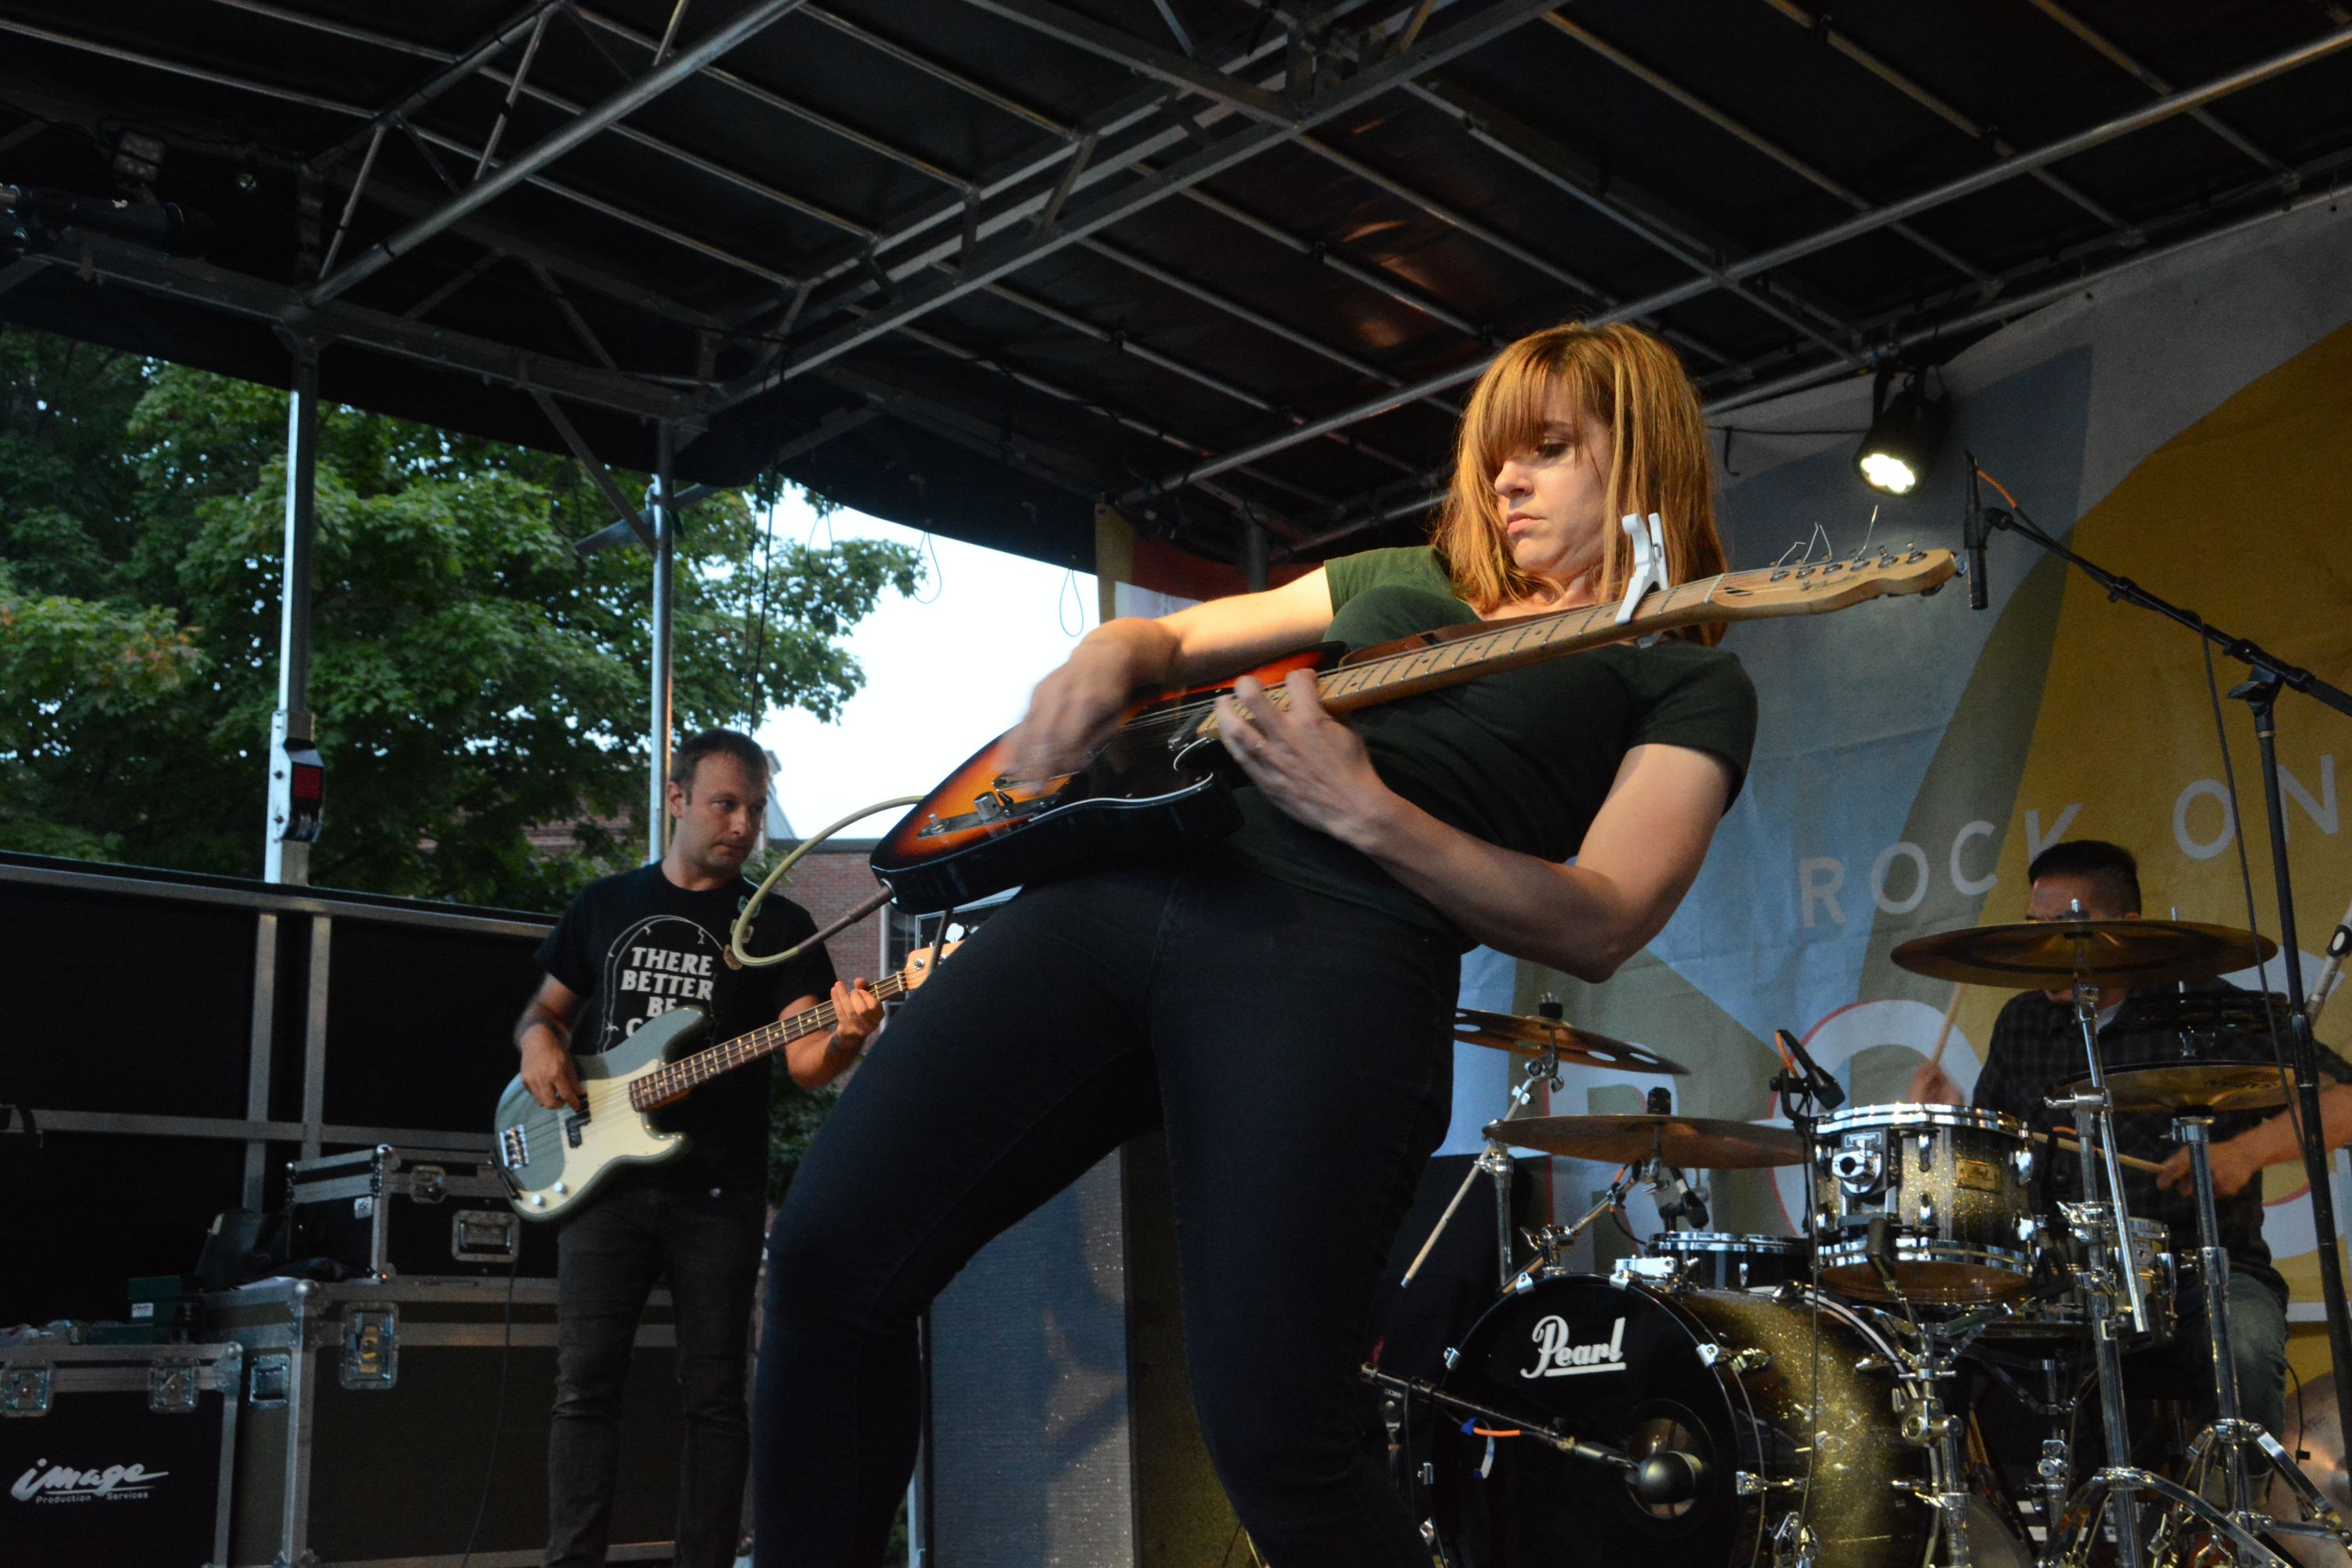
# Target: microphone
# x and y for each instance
(169, 227)
(1824, 1088)
(2326, 985)
(1677, 1200)
(1972, 543)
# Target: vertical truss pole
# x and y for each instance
(665, 521)
(284, 859)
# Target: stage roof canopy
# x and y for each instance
(979, 265)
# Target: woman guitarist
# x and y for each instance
(1223, 994)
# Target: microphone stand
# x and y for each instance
(2260, 692)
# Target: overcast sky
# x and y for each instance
(942, 678)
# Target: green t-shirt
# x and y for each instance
(1521, 759)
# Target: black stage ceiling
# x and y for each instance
(977, 265)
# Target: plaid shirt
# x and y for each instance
(2037, 1047)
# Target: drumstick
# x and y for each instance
(2128, 1162)
(1944, 1034)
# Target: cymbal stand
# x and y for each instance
(2110, 1274)
(2234, 1447)
(2095, 1119)
(1494, 1162)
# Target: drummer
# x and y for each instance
(2037, 1047)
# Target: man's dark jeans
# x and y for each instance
(706, 1243)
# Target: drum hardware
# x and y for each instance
(1547, 1043)
(2233, 1449)
(2088, 953)
(1664, 1479)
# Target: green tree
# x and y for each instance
(471, 677)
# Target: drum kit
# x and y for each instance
(1800, 1402)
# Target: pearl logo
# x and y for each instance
(1557, 1357)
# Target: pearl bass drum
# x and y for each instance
(1782, 1398)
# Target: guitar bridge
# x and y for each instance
(989, 808)
(514, 1148)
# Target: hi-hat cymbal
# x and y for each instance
(2177, 1087)
(2040, 955)
(1693, 1142)
(1534, 1037)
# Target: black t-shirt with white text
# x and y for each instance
(638, 945)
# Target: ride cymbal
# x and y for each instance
(2043, 955)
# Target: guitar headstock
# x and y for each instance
(1817, 585)
(919, 968)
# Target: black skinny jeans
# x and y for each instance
(609, 1257)
(1296, 1050)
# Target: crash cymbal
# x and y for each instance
(2038, 955)
(1534, 1037)
(1693, 1142)
(2194, 1086)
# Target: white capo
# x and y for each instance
(1648, 538)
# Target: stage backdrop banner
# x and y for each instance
(2190, 428)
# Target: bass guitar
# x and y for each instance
(552, 1159)
(1155, 783)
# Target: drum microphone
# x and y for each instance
(2324, 986)
(1825, 1090)
(1677, 1200)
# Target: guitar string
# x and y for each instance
(747, 1046)
(1381, 671)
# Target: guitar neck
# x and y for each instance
(668, 1083)
(1450, 658)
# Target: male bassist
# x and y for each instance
(630, 947)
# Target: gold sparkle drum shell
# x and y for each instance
(1951, 1184)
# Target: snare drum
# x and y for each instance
(1721, 1260)
(1949, 1181)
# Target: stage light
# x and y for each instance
(1905, 432)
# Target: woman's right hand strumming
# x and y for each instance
(1075, 709)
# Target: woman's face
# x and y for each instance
(1554, 498)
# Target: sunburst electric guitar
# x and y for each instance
(1156, 783)
(552, 1159)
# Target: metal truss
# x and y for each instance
(1886, 215)
(986, 263)
(1822, 27)
(1890, 339)
(636, 95)
(201, 283)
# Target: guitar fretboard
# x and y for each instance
(1806, 587)
(668, 1083)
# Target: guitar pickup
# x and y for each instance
(514, 1148)
(573, 1125)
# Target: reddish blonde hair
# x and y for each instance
(1619, 377)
